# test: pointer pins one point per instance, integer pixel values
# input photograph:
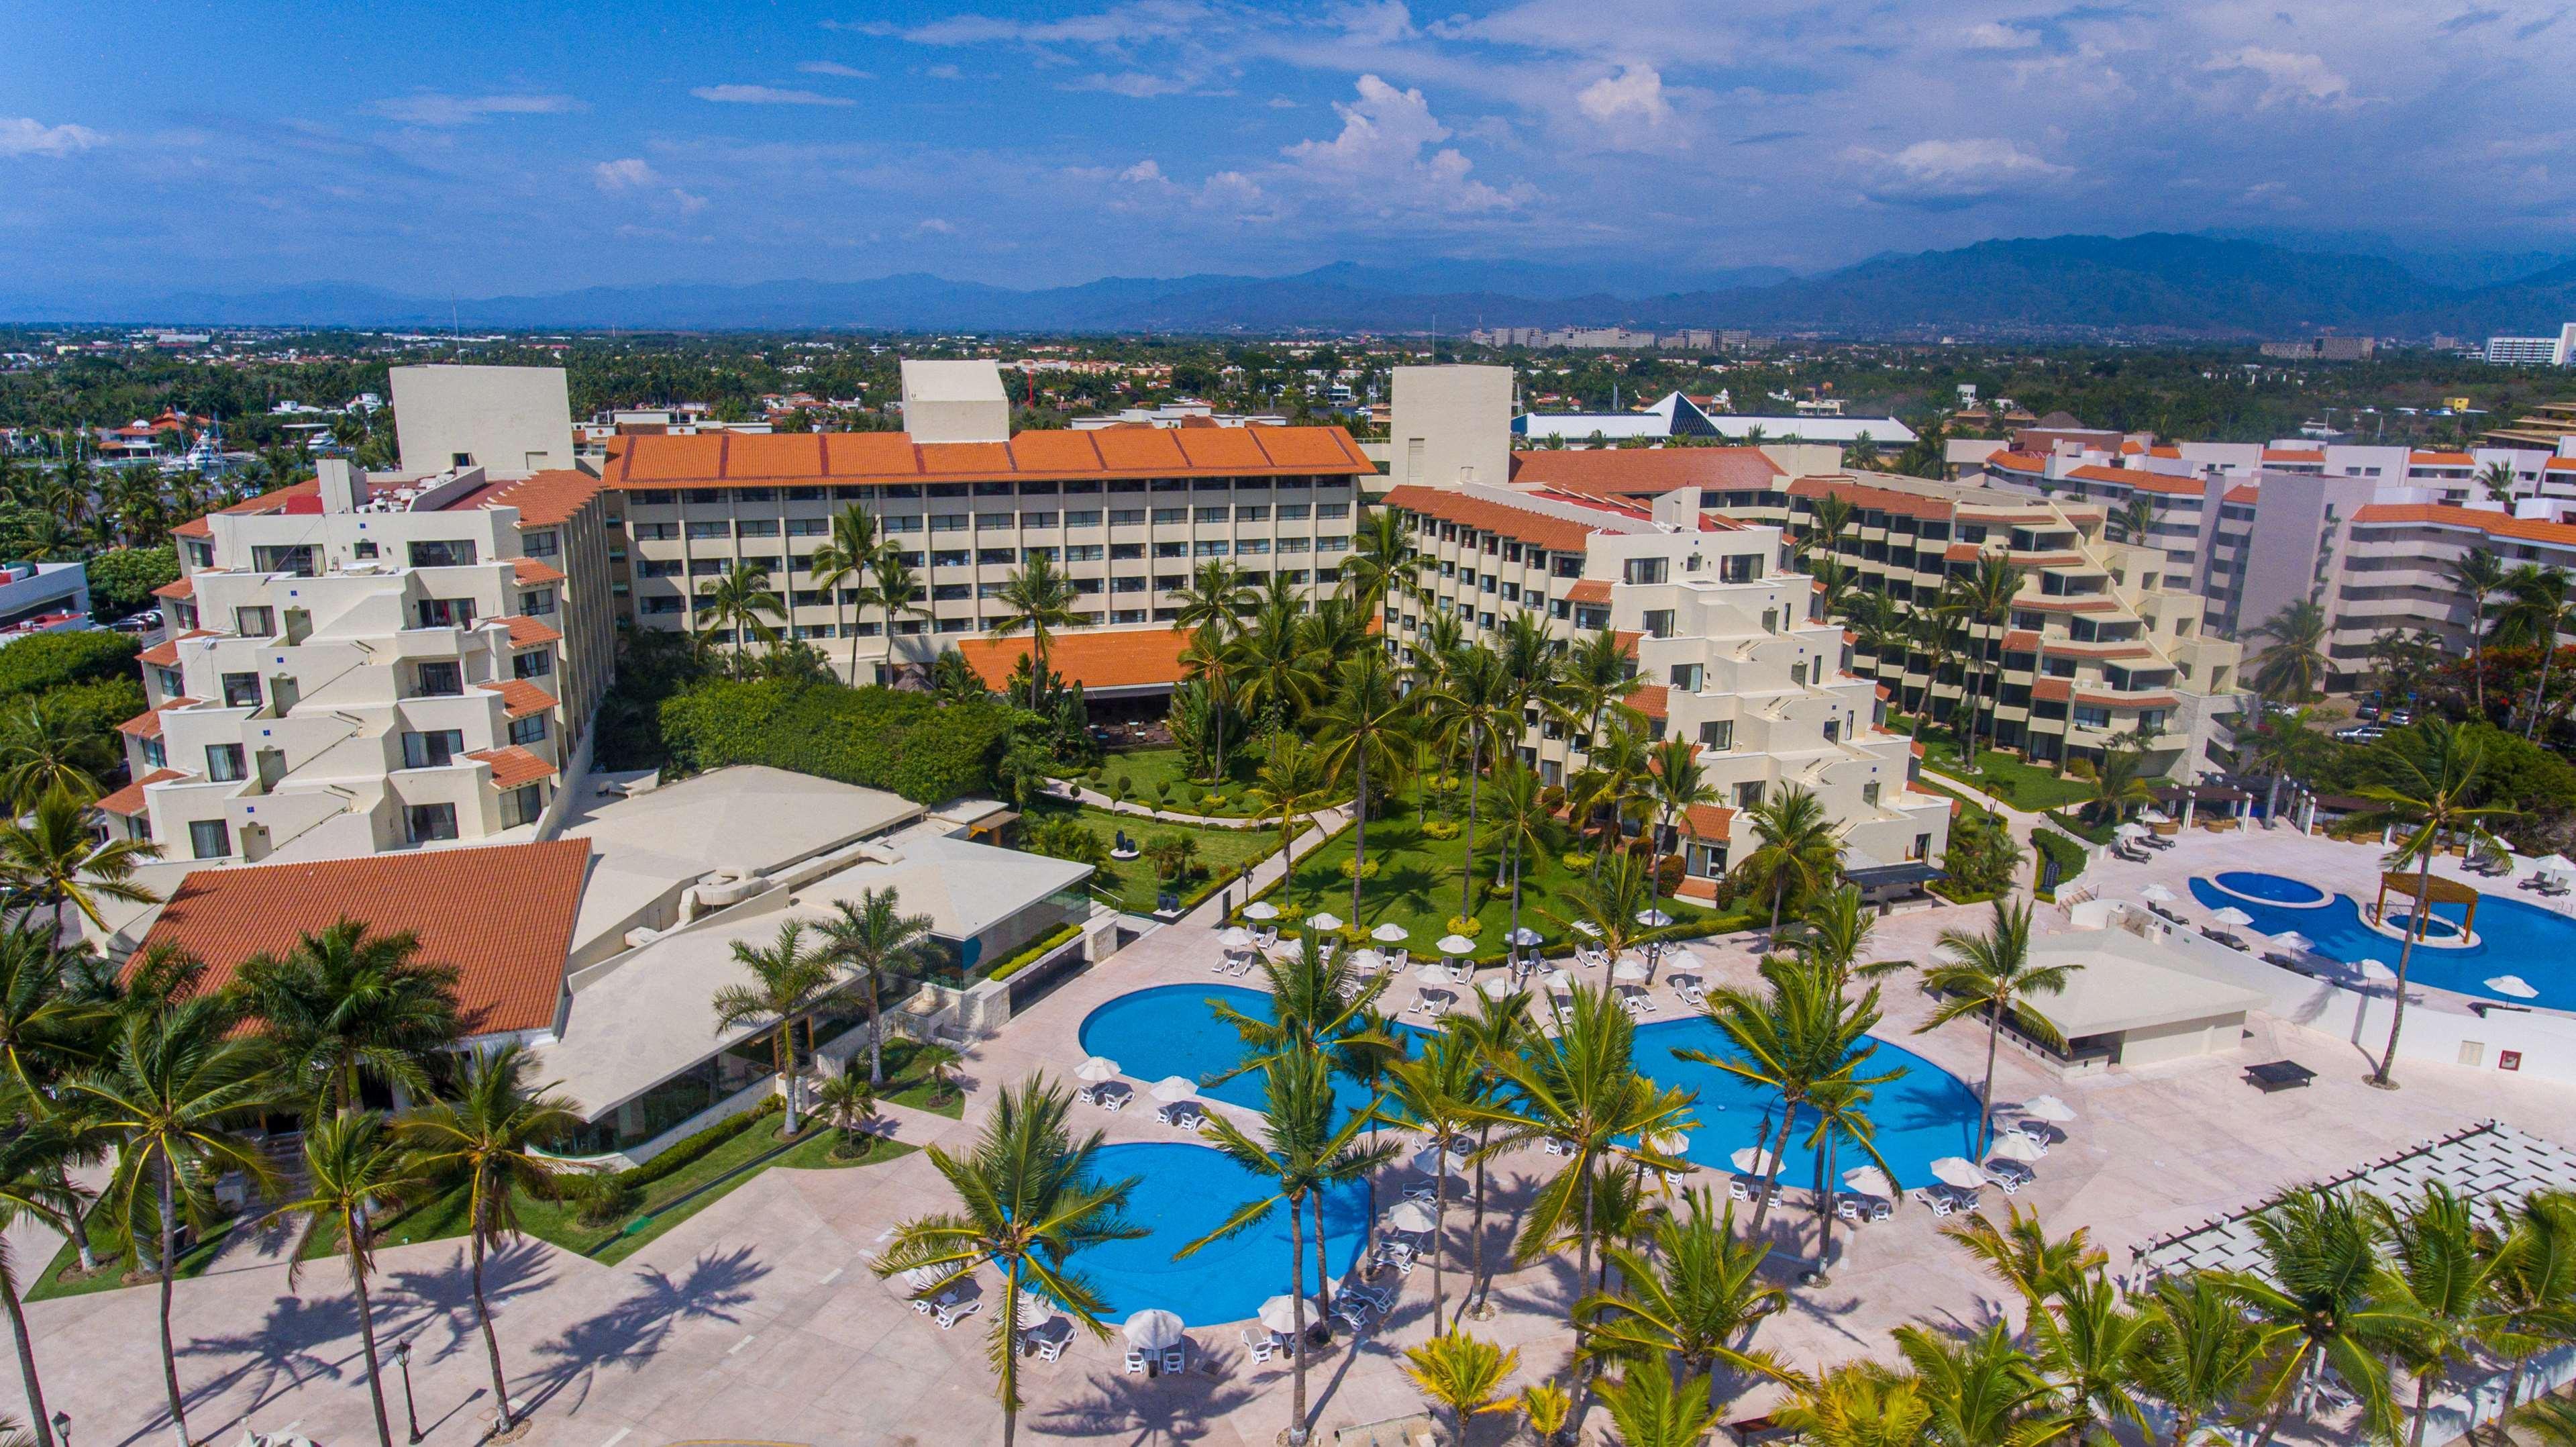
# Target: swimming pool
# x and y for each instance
(1182, 1193)
(1169, 1030)
(2513, 938)
(2264, 888)
(1922, 1115)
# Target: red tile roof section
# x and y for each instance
(520, 698)
(1648, 471)
(713, 459)
(128, 801)
(1707, 821)
(1553, 533)
(2494, 524)
(184, 588)
(513, 766)
(165, 654)
(1094, 658)
(532, 573)
(147, 724)
(1879, 499)
(527, 632)
(267, 502)
(1589, 590)
(2138, 479)
(1652, 700)
(545, 499)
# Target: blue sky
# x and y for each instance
(481, 148)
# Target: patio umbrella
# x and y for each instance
(1869, 1181)
(1431, 972)
(1261, 909)
(1036, 1310)
(1955, 1171)
(1496, 988)
(1432, 1161)
(1587, 927)
(1325, 921)
(2156, 894)
(2048, 1108)
(2554, 864)
(1279, 1313)
(2013, 1148)
(1367, 960)
(2514, 985)
(1096, 1069)
(1174, 1087)
(1557, 980)
(1457, 945)
(1679, 957)
(1389, 933)
(2291, 939)
(2155, 816)
(1412, 1216)
(1748, 1161)
(2233, 915)
(1628, 972)
(1669, 1143)
(1653, 918)
(2375, 968)
(2131, 830)
(1526, 937)
(1153, 1330)
(1237, 938)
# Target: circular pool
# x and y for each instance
(2512, 938)
(2438, 932)
(1182, 1193)
(1172, 1030)
(2277, 890)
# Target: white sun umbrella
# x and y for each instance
(1237, 938)
(1869, 1181)
(1279, 1313)
(1496, 988)
(2233, 915)
(2048, 1108)
(2554, 864)
(1431, 972)
(1629, 972)
(2155, 816)
(2131, 830)
(1526, 937)
(1036, 1310)
(1096, 1069)
(1325, 921)
(1679, 957)
(1960, 1172)
(1412, 1216)
(1669, 1143)
(1261, 909)
(1153, 1330)
(2290, 939)
(2514, 985)
(1557, 980)
(2014, 1148)
(1748, 1161)
(1432, 1160)
(1653, 918)
(1174, 1088)
(1389, 933)
(1457, 945)
(2375, 968)
(1587, 927)
(2156, 894)
(1367, 960)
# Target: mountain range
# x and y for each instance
(2156, 284)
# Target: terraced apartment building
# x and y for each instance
(1128, 512)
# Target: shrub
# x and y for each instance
(1580, 861)
(1346, 867)
(50, 660)
(2082, 769)
(1064, 837)
(1668, 874)
(1440, 829)
(599, 1198)
(121, 580)
(906, 743)
(1464, 924)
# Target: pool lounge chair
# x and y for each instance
(1848, 1207)
(1262, 1344)
(1556, 1145)
(1111, 1100)
(1051, 1346)
(1176, 1360)
(956, 1312)
(2011, 1175)
(1936, 1199)
(1135, 1361)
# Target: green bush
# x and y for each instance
(50, 660)
(121, 580)
(1439, 828)
(907, 743)
(92, 709)
(1027, 954)
(689, 1151)
(2069, 855)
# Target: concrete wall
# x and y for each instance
(510, 420)
(2181, 1041)
(1451, 425)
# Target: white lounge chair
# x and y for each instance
(1881, 1210)
(1176, 1360)
(1135, 1362)
(1938, 1201)
(1052, 1347)
(1848, 1207)
(1556, 1145)
(949, 1316)
(1262, 1344)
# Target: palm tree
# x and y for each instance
(49, 857)
(2119, 785)
(2479, 575)
(1213, 663)
(2279, 747)
(2293, 667)
(1594, 677)
(1798, 1038)
(1500, 1028)
(1982, 1388)
(45, 1028)
(740, 602)
(2197, 1353)
(346, 1006)
(2136, 518)
(1991, 974)
(1039, 597)
(173, 1084)
(1030, 1199)
(1464, 1374)
(2087, 1342)
(1676, 785)
(1860, 1404)
(1797, 850)
(1842, 1118)
(1650, 1409)
(1432, 1093)
(1282, 670)
(841, 566)
(35, 1185)
(2446, 1280)
(2552, 1420)
(1290, 788)
(2022, 1255)
(899, 592)
(490, 1135)
(2324, 1303)
(2535, 1284)
(1380, 561)
(1474, 708)
(1521, 822)
(845, 1101)
(954, 680)
(1612, 786)
(1610, 905)
(1860, 452)
(1694, 1296)
(2497, 478)
(1301, 1154)
(45, 749)
(2436, 775)
(1985, 597)
(354, 1165)
(787, 981)
(2538, 608)
(1834, 933)
(1367, 724)
(872, 939)
(1212, 603)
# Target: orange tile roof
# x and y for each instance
(2138, 479)
(1627, 642)
(2559, 464)
(2242, 492)
(128, 801)
(1589, 590)
(2440, 459)
(1652, 700)
(2059, 603)
(1553, 533)
(2020, 642)
(147, 724)
(1625, 472)
(2120, 700)
(527, 632)
(512, 766)
(1096, 658)
(2291, 454)
(545, 499)
(530, 572)
(165, 654)
(1877, 499)
(708, 459)
(2018, 462)
(184, 588)
(520, 698)
(507, 943)
(266, 502)
(2494, 524)
(2054, 690)
(1707, 821)
(2165, 451)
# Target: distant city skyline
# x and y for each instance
(485, 148)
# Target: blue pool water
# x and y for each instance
(2514, 938)
(2271, 888)
(1182, 1193)
(1169, 1030)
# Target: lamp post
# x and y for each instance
(402, 1358)
(63, 1429)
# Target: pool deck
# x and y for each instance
(757, 1318)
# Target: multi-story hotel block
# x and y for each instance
(362, 663)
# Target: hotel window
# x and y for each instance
(1088, 517)
(241, 690)
(433, 748)
(1659, 623)
(1171, 515)
(809, 527)
(1685, 676)
(1295, 545)
(655, 532)
(1213, 548)
(210, 839)
(1252, 547)
(1332, 510)
(155, 755)
(1037, 555)
(1643, 570)
(1217, 514)
(1082, 553)
(707, 530)
(756, 528)
(427, 822)
(1037, 520)
(1739, 568)
(545, 543)
(1126, 517)
(522, 805)
(1252, 512)
(297, 560)
(1748, 794)
(538, 603)
(1126, 552)
(172, 683)
(992, 522)
(1333, 543)
(529, 730)
(446, 612)
(1717, 734)
(255, 622)
(535, 663)
(1293, 512)
(223, 763)
(1002, 556)
(948, 522)
(1171, 550)
(908, 523)
(441, 553)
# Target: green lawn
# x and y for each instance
(1417, 886)
(108, 1245)
(908, 1082)
(1148, 769)
(2069, 855)
(1221, 852)
(2021, 784)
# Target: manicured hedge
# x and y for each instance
(907, 743)
(50, 660)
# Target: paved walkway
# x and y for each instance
(1098, 800)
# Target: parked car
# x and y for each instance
(2397, 718)
(2361, 734)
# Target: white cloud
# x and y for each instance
(1233, 191)
(1146, 172)
(766, 95)
(1135, 84)
(1995, 35)
(1120, 25)
(429, 108)
(1633, 96)
(625, 174)
(834, 67)
(1381, 23)
(944, 72)
(1380, 152)
(1281, 103)
(690, 202)
(933, 226)
(23, 136)
(1949, 175)
(2287, 76)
